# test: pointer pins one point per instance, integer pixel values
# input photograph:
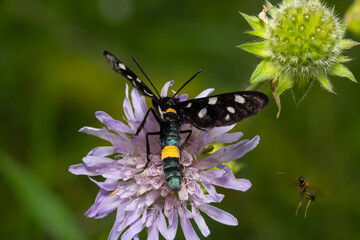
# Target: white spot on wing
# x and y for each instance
(227, 118)
(122, 66)
(129, 77)
(231, 109)
(239, 99)
(138, 80)
(161, 112)
(149, 94)
(202, 113)
(212, 100)
(189, 105)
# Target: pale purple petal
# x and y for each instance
(127, 106)
(81, 169)
(212, 191)
(219, 215)
(129, 219)
(153, 233)
(226, 154)
(114, 234)
(216, 132)
(107, 185)
(161, 224)
(183, 97)
(164, 90)
(228, 180)
(229, 137)
(98, 162)
(173, 224)
(136, 102)
(187, 228)
(107, 205)
(102, 151)
(240, 151)
(112, 124)
(205, 93)
(98, 132)
(200, 222)
(133, 230)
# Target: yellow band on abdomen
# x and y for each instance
(170, 110)
(170, 151)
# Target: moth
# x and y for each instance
(202, 113)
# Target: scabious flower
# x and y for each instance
(303, 42)
(142, 199)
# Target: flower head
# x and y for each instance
(303, 42)
(143, 199)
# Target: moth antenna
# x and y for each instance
(146, 76)
(187, 82)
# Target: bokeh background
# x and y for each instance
(53, 78)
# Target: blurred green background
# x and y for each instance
(53, 78)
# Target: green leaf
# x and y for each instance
(341, 71)
(342, 59)
(46, 207)
(254, 22)
(285, 82)
(265, 69)
(258, 48)
(347, 43)
(257, 33)
(300, 89)
(320, 75)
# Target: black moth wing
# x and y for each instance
(221, 110)
(119, 67)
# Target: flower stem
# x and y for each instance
(256, 86)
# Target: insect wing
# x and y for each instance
(119, 67)
(222, 110)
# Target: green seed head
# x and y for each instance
(303, 35)
(302, 41)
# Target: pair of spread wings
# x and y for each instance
(208, 112)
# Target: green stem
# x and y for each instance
(256, 86)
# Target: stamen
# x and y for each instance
(114, 192)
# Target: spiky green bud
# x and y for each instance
(303, 41)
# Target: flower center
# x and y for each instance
(303, 35)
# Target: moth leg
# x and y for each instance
(144, 120)
(298, 207)
(148, 148)
(186, 139)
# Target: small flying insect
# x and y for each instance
(305, 191)
(203, 113)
